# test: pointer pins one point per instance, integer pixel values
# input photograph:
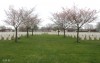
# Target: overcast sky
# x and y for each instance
(45, 7)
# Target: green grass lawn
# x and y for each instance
(49, 49)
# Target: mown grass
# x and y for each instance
(49, 49)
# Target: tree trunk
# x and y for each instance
(27, 33)
(58, 32)
(16, 38)
(64, 32)
(78, 34)
(32, 32)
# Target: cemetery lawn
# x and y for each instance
(49, 49)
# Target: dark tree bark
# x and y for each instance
(77, 33)
(16, 38)
(64, 32)
(27, 32)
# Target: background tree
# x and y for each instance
(60, 20)
(57, 22)
(79, 17)
(49, 27)
(98, 26)
(34, 21)
(2, 28)
(88, 27)
(26, 18)
(22, 28)
(14, 19)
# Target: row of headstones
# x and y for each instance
(73, 35)
(85, 36)
(9, 36)
(12, 36)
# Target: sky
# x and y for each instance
(44, 8)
